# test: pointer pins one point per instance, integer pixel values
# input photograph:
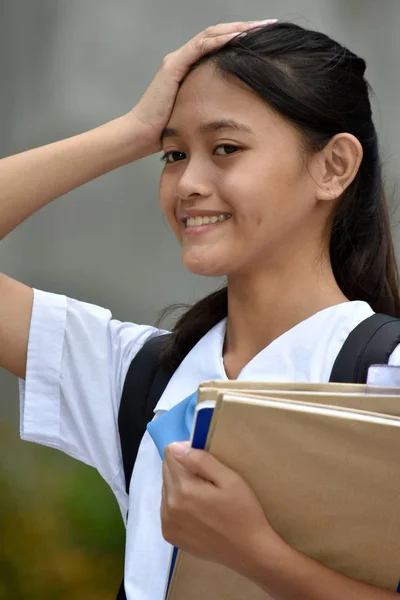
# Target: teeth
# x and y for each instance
(197, 221)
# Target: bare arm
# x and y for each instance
(32, 179)
(286, 574)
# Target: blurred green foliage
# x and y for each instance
(61, 530)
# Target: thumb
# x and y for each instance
(201, 463)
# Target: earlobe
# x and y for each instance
(339, 164)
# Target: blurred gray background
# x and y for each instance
(69, 65)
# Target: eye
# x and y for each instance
(172, 156)
(226, 149)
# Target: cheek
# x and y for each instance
(164, 195)
(251, 190)
(268, 194)
(168, 204)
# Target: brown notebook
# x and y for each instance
(352, 396)
(327, 478)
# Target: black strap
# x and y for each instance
(145, 381)
(121, 592)
(370, 343)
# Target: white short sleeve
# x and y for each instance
(394, 359)
(78, 357)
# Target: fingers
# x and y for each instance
(166, 484)
(176, 479)
(173, 470)
(166, 474)
(205, 45)
(216, 36)
(237, 27)
(207, 41)
(199, 463)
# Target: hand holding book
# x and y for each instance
(321, 467)
(205, 508)
(209, 511)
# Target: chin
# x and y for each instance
(205, 268)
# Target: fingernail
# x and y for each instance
(265, 22)
(237, 34)
(179, 449)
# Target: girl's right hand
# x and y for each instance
(154, 109)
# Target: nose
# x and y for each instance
(194, 182)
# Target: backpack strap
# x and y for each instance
(145, 382)
(370, 343)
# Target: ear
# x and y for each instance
(337, 165)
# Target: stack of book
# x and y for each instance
(324, 461)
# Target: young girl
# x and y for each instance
(272, 178)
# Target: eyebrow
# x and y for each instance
(210, 127)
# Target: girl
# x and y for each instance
(272, 178)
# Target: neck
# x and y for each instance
(261, 307)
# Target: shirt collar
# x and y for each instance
(204, 362)
(304, 353)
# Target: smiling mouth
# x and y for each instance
(211, 220)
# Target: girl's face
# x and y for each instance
(235, 188)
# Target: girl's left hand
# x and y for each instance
(208, 510)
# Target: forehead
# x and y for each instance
(207, 96)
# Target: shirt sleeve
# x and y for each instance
(394, 358)
(78, 357)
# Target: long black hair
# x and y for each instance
(319, 86)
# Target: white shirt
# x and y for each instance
(78, 357)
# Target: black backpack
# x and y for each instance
(371, 342)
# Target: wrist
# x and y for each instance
(145, 139)
(126, 140)
(269, 560)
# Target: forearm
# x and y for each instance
(32, 179)
(286, 574)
